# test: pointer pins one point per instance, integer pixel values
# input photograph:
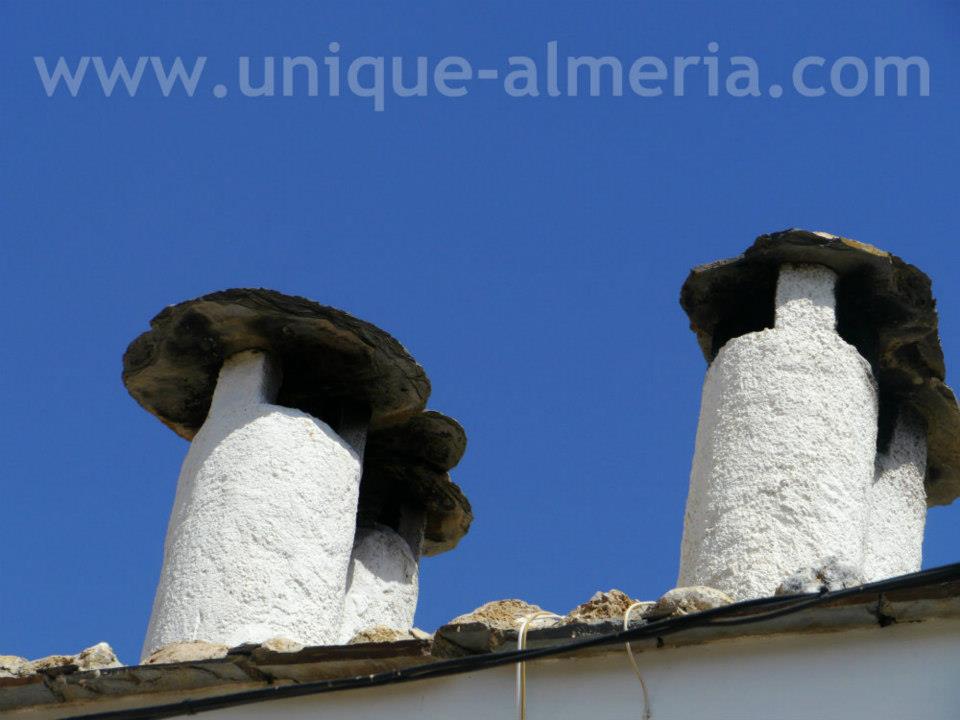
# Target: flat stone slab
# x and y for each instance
(408, 465)
(687, 600)
(885, 308)
(495, 626)
(328, 357)
(429, 437)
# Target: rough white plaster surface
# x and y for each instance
(785, 448)
(382, 583)
(897, 504)
(260, 536)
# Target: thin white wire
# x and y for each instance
(521, 666)
(633, 662)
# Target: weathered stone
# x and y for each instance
(14, 666)
(484, 630)
(610, 605)
(885, 308)
(54, 662)
(498, 614)
(97, 657)
(186, 652)
(430, 438)
(329, 662)
(832, 575)
(331, 361)
(382, 634)
(282, 645)
(688, 600)
(405, 471)
(390, 486)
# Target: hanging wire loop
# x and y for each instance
(525, 623)
(633, 662)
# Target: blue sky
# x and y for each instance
(528, 251)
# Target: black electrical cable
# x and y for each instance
(717, 617)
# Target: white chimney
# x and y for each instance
(260, 535)
(409, 507)
(277, 394)
(785, 448)
(802, 457)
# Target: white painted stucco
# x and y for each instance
(785, 448)
(897, 504)
(382, 583)
(262, 528)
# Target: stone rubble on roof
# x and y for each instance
(14, 666)
(483, 630)
(609, 605)
(186, 652)
(96, 657)
(498, 614)
(69, 690)
(282, 645)
(488, 628)
(495, 625)
(197, 650)
(688, 600)
(382, 634)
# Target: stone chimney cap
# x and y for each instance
(327, 356)
(885, 308)
(429, 437)
(407, 466)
